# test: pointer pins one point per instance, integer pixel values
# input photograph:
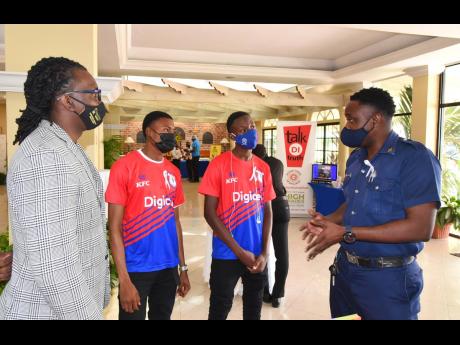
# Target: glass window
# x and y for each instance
(326, 115)
(450, 150)
(327, 143)
(451, 87)
(269, 139)
(449, 130)
(270, 123)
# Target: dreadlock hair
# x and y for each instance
(47, 79)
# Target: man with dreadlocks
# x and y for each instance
(60, 260)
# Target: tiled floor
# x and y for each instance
(307, 286)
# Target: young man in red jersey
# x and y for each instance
(144, 193)
(238, 191)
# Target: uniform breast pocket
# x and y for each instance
(380, 196)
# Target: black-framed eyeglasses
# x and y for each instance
(97, 92)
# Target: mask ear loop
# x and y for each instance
(259, 221)
(233, 183)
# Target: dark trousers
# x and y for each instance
(224, 277)
(280, 244)
(176, 162)
(158, 289)
(195, 174)
(189, 164)
(376, 293)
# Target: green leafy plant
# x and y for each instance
(113, 269)
(405, 107)
(113, 274)
(113, 148)
(5, 247)
(449, 213)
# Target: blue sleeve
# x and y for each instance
(421, 178)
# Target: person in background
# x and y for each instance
(176, 156)
(196, 146)
(188, 160)
(281, 217)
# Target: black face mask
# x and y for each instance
(167, 142)
(92, 116)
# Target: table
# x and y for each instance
(328, 198)
(202, 165)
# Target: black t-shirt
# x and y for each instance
(277, 169)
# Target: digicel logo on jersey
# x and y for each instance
(157, 202)
(240, 196)
(296, 140)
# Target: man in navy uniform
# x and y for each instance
(392, 189)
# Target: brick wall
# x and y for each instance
(218, 131)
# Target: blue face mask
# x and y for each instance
(354, 137)
(247, 140)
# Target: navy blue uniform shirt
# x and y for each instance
(402, 175)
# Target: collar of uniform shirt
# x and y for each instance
(390, 144)
(389, 147)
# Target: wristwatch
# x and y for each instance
(183, 268)
(349, 237)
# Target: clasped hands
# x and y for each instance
(320, 234)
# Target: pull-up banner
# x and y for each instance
(296, 149)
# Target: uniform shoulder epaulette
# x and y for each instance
(414, 144)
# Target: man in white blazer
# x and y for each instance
(55, 196)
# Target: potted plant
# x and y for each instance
(447, 216)
(113, 148)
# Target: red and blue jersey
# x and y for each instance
(149, 191)
(243, 188)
